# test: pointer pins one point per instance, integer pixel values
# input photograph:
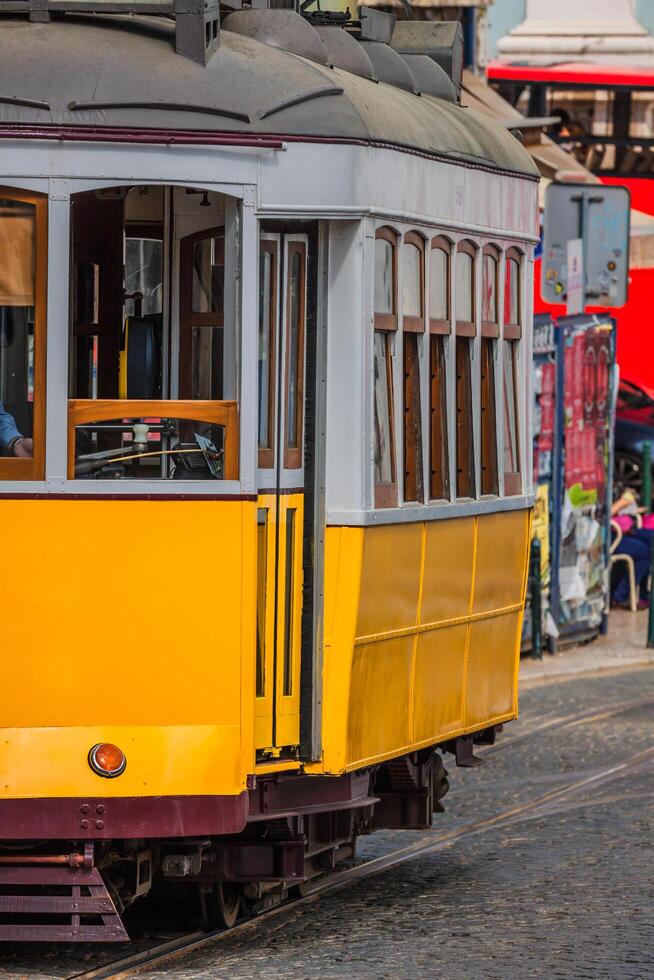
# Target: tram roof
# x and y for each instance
(123, 72)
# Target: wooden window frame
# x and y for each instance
(436, 325)
(386, 493)
(416, 324)
(488, 394)
(388, 321)
(266, 454)
(465, 439)
(512, 479)
(293, 454)
(438, 429)
(513, 331)
(187, 318)
(414, 489)
(467, 328)
(491, 328)
(12, 468)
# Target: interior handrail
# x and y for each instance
(225, 413)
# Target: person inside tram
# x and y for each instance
(12, 443)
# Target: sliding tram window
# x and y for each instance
(490, 331)
(296, 307)
(440, 325)
(512, 336)
(268, 264)
(385, 309)
(150, 365)
(23, 277)
(465, 301)
(413, 325)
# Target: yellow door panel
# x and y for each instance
(390, 578)
(289, 620)
(492, 669)
(439, 683)
(449, 557)
(264, 679)
(502, 545)
(378, 717)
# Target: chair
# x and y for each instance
(631, 568)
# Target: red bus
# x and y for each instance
(606, 115)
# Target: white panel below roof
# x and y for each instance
(344, 180)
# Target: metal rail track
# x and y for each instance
(155, 956)
(567, 721)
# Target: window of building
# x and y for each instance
(466, 484)
(385, 322)
(267, 321)
(512, 336)
(413, 325)
(23, 278)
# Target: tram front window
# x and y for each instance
(151, 369)
(17, 286)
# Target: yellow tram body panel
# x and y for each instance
(133, 622)
(422, 633)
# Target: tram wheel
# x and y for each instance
(220, 904)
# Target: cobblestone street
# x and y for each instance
(560, 888)
(567, 892)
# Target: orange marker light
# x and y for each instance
(107, 760)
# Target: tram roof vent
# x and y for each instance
(279, 28)
(197, 22)
(441, 41)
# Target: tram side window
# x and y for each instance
(512, 336)
(385, 310)
(413, 325)
(490, 329)
(23, 257)
(465, 332)
(151, 354)
(267, 322)
(439, 329)
(296, 285)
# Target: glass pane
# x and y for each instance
(413, 477)
(489, 477)
(383, 408)
(411, 280)
(208, 276)
(383, 276)
(262, 573)
(266, 322)
(489, 290)
(288, 612)
(464, 287)
(149, 449)
(512, 292)
(438, 284)
(465, 459)
(295, 316)
(144, 274)
(207, 363)
(511, 454)
(439, 455)
(17, 284)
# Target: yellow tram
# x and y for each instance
(265, 486)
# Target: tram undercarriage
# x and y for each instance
(298, 828)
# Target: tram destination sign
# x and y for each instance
(597, 216)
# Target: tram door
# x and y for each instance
(280, 512)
